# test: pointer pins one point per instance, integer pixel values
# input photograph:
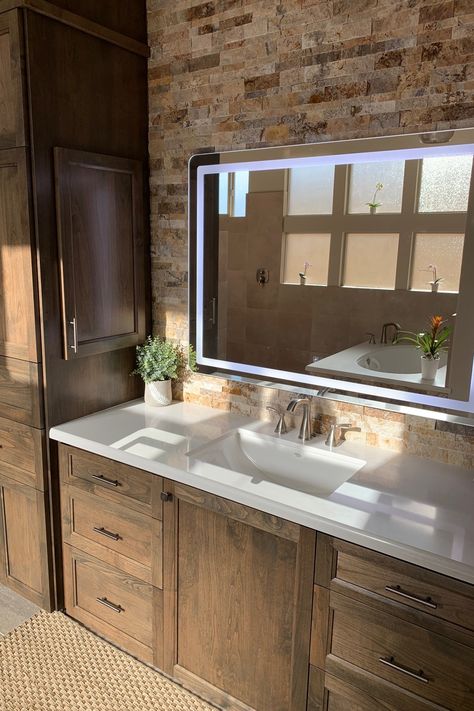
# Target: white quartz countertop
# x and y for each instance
(415, 509)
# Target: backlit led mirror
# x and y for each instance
(345, 265)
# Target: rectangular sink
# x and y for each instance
(265, 458)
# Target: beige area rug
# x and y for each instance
(51, 663)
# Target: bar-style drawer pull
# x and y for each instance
(397, 590)
(103, 480)
(108, 534)
(390, 662)
(110, 605)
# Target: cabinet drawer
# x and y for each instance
(355, 690)
(21, 453)
(20, 391)
(342, 565)
(420, 661)
(116, 534)
(111, 480)
(110, 602)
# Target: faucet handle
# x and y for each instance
(281, 427)
(371, 337)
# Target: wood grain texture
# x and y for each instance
(21, 393)
(137, 489)
(239, 512)
(321, 628)
(345, 567)
(362, 635)
(232, 587)
(137, 546)
(105, 114)
(87, 579)
(18, 316)
(100, 238)
(23, 556)
(356, 690)
(22, 450)
(12, 114)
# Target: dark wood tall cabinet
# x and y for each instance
(73, 249)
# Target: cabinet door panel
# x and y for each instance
(23, 563)
(18, 324)
(98, 201)
(241, 605)
(12, 130)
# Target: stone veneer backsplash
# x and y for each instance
(232, 74)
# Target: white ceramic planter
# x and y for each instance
(158, 394)
(429, 368)
(434, 287)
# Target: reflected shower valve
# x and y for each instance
(263, 276)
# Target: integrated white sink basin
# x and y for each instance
(394, 359)
(266, 458)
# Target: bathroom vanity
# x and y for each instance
(259, 595)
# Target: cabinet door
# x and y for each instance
(18, 323)
(23, 553)
(101, 249)
(12, 129)
(237, 602)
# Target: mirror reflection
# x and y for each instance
(338, 269)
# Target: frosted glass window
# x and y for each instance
(312, 248)
(310, 190)
(442, 251)
(370, 260)
(223, 193)
(445, 184)
(364, 179)
(241, 188)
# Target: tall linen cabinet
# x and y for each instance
(73, 246)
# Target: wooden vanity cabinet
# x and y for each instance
(73, 245)
(237, 602)
(400, 635)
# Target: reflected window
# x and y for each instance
(223, 193)
(306, 254)
(436, 260)
(310, 190)
(378, 184)
(370, 260)
(239, 193)
(444, 185)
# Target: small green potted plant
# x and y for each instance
(373, 204)
(431, 343)
(158, 362)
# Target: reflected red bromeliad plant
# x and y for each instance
(432, 341)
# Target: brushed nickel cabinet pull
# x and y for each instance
(104, 480)
(166, 496)
(397, 590)
(110, 605)
(108, 534)
(390, 662)
(73, 323)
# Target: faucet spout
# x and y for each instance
(306, 429)
(385, 327)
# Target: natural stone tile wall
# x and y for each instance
(227, 74)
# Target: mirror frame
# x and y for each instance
(460, 381)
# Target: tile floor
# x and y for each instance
(13, 610)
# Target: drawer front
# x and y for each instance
(407, 584)
(354, 690)
(20, 391)
(111, 480)
(116, 534)
(417, 660)
(21, 453)
(97, 591)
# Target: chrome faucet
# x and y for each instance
(332, 440)
(306, 429)
(385, 327)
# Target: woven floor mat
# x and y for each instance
(51, 663)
